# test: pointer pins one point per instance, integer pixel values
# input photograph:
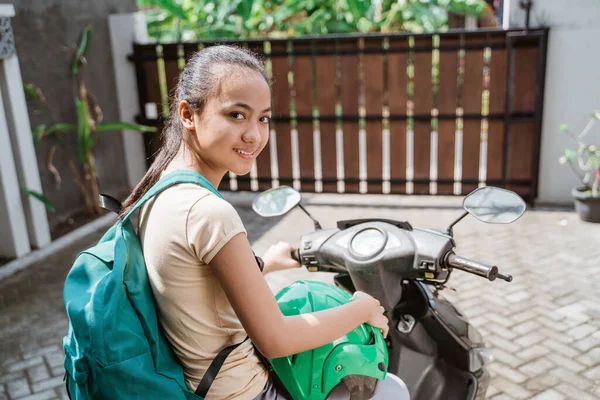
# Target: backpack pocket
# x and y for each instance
(136, 378)
(77, 371)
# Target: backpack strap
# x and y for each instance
(173, 178)
(214, 368)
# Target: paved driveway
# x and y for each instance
(544, 327)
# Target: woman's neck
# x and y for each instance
(184, 160)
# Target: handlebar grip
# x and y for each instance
(296, 255)
(487, 271)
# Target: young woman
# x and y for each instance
(209, 291)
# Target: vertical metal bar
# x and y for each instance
(141, 79)
(140, 74)
(539, 113)
(507, 106)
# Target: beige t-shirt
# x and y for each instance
(181, 230)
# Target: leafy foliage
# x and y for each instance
(584, 160)
(182, 20)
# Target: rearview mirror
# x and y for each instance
(275, 202)
(494, 205)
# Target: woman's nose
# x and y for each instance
(252, 135)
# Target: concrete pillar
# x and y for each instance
(125, 29)
(14, 238)
(17, 118)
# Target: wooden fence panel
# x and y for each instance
(397, 97)
(497, 88)
(326, 69)
(373, 81)
(422, 100)
(281, 107)
(447, 104)
(349, 87)
(303, 89)
(472, 95)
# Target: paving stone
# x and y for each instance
(549, 394)
(41, 351)
(502, 396)
(573, 392)
(541, 382)
(526, 327)
(560, 348)
(530, 339)
(532, 352)
(506, 358)
(511, 389)
(48, 384)
(13, 376)
(45, 395)
(18, 388)
(501, 343)
(55, 359)
(491, 391)
(507, 372)
(593, 374)
(24, 365)
(574, 379)
(536, 367)
(587, 344)
(581, 331)
(564, 362)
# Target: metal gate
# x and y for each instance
(385, 113)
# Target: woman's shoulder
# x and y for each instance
(188, 200)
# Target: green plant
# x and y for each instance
(89, 125)
(585, 159)
(182, 20)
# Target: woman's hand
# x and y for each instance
(375, 311)
(279, 257)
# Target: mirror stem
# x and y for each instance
(317, 225)
(449, 230)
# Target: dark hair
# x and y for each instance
(199, 80)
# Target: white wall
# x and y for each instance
(572, 83)
(125, 29)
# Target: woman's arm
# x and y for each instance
(274, 334)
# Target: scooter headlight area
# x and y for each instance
(479, 357)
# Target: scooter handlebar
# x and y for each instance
(296, 255)
(475, 267)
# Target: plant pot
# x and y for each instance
(587, 207)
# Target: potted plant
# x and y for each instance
(584, 160)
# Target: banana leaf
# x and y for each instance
(84, 142)
(124, 126)
(32, 91)
(82, 50)
(37, 133)
(41, 198)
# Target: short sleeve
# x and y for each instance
(211, 223)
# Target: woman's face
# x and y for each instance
(233, 127)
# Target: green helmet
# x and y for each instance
(313, 374)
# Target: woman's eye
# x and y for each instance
(265, 120)
(237, 115)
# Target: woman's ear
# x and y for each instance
(186, 115)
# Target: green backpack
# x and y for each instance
(114, 348)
